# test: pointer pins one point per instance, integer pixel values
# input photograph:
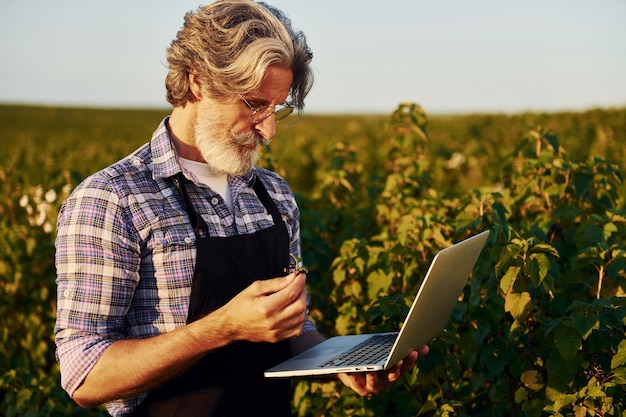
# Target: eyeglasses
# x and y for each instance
(261, 113)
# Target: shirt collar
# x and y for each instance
(164, 155)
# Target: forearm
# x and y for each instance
(266, 311)
(132, 366)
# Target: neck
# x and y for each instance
(181, 129)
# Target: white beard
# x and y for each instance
(225, 152)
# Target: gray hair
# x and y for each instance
(229, 44)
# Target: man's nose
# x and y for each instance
(267, 127)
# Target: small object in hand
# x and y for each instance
(296, 265)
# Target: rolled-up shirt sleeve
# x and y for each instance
(97, 266)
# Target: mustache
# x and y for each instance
(250, 138)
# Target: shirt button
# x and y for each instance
(188, 240)
(66, 293)
(136, 162)
(214, 201)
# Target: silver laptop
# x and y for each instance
(428, 316)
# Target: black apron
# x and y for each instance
(229, 381)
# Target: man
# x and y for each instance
(177, 285)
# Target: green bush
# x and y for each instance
(540, 328)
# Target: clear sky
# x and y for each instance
(447, 55)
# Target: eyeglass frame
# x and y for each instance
(262, 111)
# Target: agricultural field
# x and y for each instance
(539, 330)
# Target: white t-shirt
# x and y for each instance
(216, 181)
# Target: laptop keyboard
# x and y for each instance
(372, 350)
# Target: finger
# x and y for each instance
(409, 362)
(383, 381)
(294, 314)
(297, 308)
(289, 318)
(402, 367)
(290, 293)
(395, 373)
(358, 384)
(423, 351)
(372, 382)
(271, 286)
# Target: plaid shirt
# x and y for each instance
(125, 252)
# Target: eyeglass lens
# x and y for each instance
(264, 112)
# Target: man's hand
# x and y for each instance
(370, 383)
(268, 310)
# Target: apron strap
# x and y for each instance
(196, 220)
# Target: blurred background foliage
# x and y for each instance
(539, 330)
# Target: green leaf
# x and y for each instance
(568, 341)
(619, 358)
(378, 282)
(552, 139)
(406, 227)
(619, 375)
(609, 229)
(354, 289)
(507, 281)
(517, 304)
(585, 324)
(339, 276)
(427, 407)
(582, 184)
(595, 389)
(538, 268)
(617, 265)
(532, 379)
(510, 253)
(359, 263)
(594, 233)
(559, 399)
(520, 395)
(545, 248)
(580, 411)
(23, 396)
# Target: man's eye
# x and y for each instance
(256, 104)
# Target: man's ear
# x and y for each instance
(194, 85)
